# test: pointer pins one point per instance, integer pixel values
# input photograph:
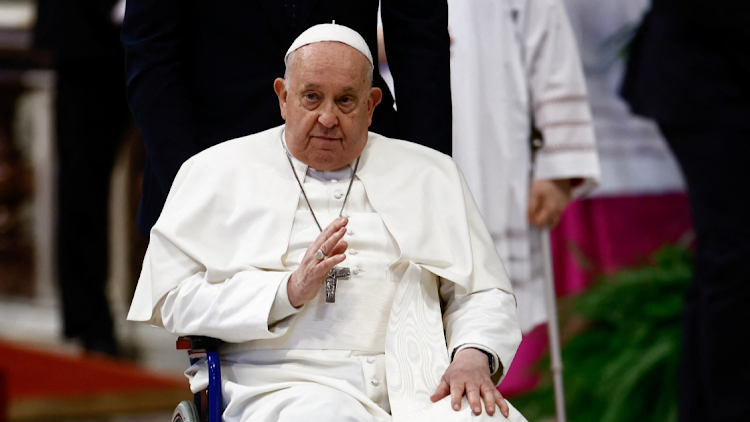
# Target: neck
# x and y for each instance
(343, 173)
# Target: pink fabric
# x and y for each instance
(521, 376)
(599, 236)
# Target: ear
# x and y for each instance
(280, 87)
(376, 95)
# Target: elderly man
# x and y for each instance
(350, 274)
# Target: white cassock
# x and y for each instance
(512, 61)
(235, 227)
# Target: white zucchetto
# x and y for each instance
(331, 32)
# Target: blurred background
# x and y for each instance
(639, 207)
(45, 374)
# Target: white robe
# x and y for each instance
(506, 70)
(227, 222)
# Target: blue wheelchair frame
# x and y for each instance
(207, 402)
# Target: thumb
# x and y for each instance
(535, 205)
(442, 391)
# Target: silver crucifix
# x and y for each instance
(333, 277)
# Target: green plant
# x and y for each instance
(622, 366)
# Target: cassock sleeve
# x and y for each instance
(474, 320)
(226, 310)
(232, 304)
(487, 317)
(418, 48)
(196, 278)
(559, 100)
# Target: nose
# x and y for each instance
(328, 117)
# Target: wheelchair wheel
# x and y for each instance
(185, 412)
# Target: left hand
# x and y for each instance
(547, 201)
(469, 374)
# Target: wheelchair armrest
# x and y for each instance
(198, 343)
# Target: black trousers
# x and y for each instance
(91, 115)
(715, 365)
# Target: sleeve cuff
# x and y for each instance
(281, 307)
(495, 359)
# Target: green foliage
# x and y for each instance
(622, 366)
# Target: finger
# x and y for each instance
(338, 224)
(504, 409)
(457, 393)
(557, 209)
(533, 217)
(489, 399)
(441, 392)
(538, 218)
(332, 261)
(340, 247)
(325, 242)
(538, 214)
(472, 394)
(545, 217)
(321, 270)
(533, 204)
(329, 246)
(329, 231)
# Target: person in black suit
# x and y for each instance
(199, 73)
(689, 69)
(91, 117)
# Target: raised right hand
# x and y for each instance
(304, 283)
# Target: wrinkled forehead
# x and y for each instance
(328, 50)
(328, 59)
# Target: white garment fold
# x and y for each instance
(514, 64)
(229, 233)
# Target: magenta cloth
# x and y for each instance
(599, 236)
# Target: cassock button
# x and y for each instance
(375, 382)
(338, 194)
(370, 359)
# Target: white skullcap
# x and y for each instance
(331, 32)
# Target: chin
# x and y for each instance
(322, 162)
(328, 163)
(326, 166)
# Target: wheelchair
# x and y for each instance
(207, 404)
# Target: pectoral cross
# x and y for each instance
(333, 278)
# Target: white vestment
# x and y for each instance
(514, 63)
(228, 225)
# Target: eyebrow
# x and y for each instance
(316, 86)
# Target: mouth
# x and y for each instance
(325, 138)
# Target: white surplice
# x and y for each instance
(228, 226)
(514, 63)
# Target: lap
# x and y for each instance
(299, 386)
(301, 402)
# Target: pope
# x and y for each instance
(350, 275)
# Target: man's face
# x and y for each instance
(328, 105)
